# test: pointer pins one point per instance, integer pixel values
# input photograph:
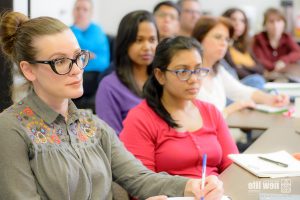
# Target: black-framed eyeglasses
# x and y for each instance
(185, 74)
(62, 66)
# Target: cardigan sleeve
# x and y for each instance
(234, 89)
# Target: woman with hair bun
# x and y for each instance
(49, 149)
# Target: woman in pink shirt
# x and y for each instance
(170, 130)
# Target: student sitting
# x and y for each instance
(238, 56)
(171, 131)
(275, 48)
(214, 34)
(120, 91)
(49, 149)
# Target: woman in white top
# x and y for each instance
(215, 35)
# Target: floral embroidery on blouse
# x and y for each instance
(42, 133)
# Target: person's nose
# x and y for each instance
(147, 45)
(193, 78)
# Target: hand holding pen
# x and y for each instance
(213, 189)
(279, 100)
(208, 188)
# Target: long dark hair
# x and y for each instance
(242, 42)
(126, 35)
(165, 51)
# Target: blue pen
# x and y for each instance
(203, 173)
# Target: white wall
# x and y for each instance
(109, 19)
(108, 13)
(61, 9)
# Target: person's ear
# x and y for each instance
(28, 70)
(160, 76)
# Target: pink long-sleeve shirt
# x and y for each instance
(161, 148)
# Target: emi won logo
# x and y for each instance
(282, 185)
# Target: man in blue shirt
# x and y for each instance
(90, 37)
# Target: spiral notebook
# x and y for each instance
(263, 168)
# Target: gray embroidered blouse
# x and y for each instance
(44, 157)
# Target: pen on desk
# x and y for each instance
(204, 158)
(273, 161)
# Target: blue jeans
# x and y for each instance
(254, 80)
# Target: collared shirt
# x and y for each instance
(42, 156)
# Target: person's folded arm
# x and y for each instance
(294, 54)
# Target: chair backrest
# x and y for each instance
(111, 40)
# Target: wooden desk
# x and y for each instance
(291, 72)
(252, 119)
(239, 184)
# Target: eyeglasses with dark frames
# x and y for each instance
(62, 66)
(185, 74)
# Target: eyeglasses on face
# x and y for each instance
(185, 74)
(220, 38)
(62, 66)
(165, 15)
(191, 12)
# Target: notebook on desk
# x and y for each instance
(264, 168)
(270, 109)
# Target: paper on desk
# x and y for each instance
(262, 168)
(290, 89)
(192, 198)
(274, 85)
(270, 109)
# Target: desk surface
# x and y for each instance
(291, 72)
(252, 119)
(239, 184)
